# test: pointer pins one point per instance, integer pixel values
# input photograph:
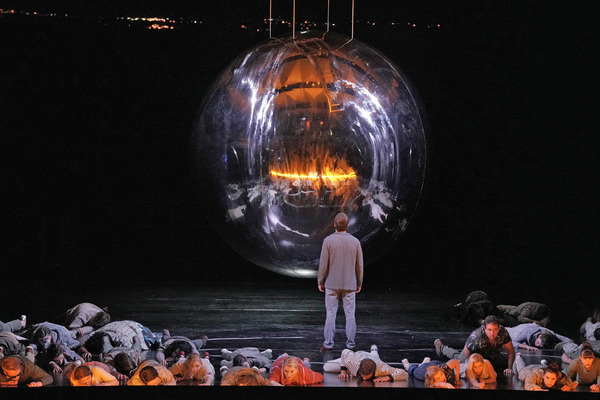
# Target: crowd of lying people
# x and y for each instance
(88, 349)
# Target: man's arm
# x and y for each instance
(359, 268)
(323, 267)
(510, 351)
(39, 375)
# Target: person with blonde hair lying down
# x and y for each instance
(292, 371)
(194, 368)
(479, 371)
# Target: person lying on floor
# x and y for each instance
(435, 374)
(542, 377)
(532, 337)
(172, 346)
(292, 371)
(364, 366)
(151, 373)
(256, 358)
(194, 368)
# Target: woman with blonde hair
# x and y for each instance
(479, 371)
(292, 371)
(194, 368)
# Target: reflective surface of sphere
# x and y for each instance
(295, 131)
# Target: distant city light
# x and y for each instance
(261, 25)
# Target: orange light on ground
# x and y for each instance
(317, 169)
(315, 176)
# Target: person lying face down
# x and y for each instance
(18, 370)
(85, 375)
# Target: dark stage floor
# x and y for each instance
(403, 322)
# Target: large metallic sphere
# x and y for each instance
(297, 130)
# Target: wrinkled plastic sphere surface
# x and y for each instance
(298, 129)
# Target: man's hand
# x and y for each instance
(343, 375)
(527, 347)
(321, 288)
(595, 388)
(508, 371)
(36, 384)
(357, 289)
(121, 377)
(55, 368)
(382, 379)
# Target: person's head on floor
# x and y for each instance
(12, 367)
(551, 374)
(240, 361)
(42, 337)
(100, 319)
(476, 366)
(491, 327)
(96, 343)
(181, 346)
(366, 370)
(149, 376)
(546, 340)
(248, 377)
(56, 354)
(81, 376)
(433, 375)
(192, 366)
(587, 356)
(124, 364)
(290, 371)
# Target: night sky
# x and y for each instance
(95, 122)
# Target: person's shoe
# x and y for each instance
(438, 347)
(23, 320)
(353, 348)
(374, 347)
(544, 362)
(225, 351)
(518, 354)
(324, 349)
(426, 360)
(166, 332)
(405, 363)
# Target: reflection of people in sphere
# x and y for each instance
(340, 277)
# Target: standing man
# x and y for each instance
(340, 277)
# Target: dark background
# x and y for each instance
(95, 119)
